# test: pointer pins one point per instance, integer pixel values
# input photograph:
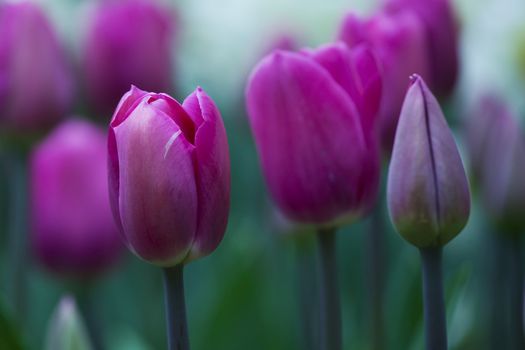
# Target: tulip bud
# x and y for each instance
(73, 230)
(503, 171)
(169, 175)
(35, 85)
(428, 193)
(128, 42)
(66, 329)
(441, 29)
(309, 114)
(399, 42)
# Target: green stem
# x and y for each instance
(307, 296)
(18, 234)
(331, 334)
(177, 326)
(433, 299)
(375, 248)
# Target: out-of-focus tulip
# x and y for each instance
(442, 39)
(128, 42)
(479, 124)
(503, 171)
(35, 85)
(66, 330)
(73, 230)
(428, 192)
(399, 40)
(169, 175)
(312, 116)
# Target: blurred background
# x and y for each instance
(245, 295)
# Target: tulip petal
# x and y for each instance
(159, 217)
(308, 135)
(428, 194)
(399, 41)
(357, 71)
(212, 173)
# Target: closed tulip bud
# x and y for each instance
(428, 192)
(503, 171)
(312, 117)
(128, 42)
(399, 42)
(74, 234)
(441, 29)
(66, 329)
(35, 85)
(169, 175)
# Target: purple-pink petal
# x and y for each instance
(157, 195)
(309, 137)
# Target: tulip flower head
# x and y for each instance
(312, 115)
(503, 171)
(73, 230)
(128, 42)
(441, 30)
(428, 192)
(35, 84)
(169, 175)
(399, 40)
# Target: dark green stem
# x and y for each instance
(516, 294)
(330, 305)
(375, 248)
(177, 326)
(433, 299)
(17, 229)
(307, 296)
(87, 305)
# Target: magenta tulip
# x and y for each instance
(169, 175)
(128, 42)
(428, 192)
(441, 30)
(399, 41)
(35, 85)
(312, 116)
(73, 230)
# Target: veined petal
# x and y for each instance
(428, 193)
(212, 173)
(157, 191)
(308, 135)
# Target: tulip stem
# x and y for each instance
(515, 265)
(177, 326)
(433, 299)
(18, 234)
(330, 305)
(307, 295)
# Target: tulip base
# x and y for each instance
(177, 326)
(433, 299)
(330, 304)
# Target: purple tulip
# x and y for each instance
(400, 43)
(502, 165)
(35, 85)
(73, 229)
(442, 29)
(169, 175)
(312, 116)
(480, 122)
(128, 42)
(428, 192)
